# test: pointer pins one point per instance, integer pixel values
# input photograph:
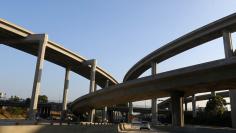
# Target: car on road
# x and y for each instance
(145, 125)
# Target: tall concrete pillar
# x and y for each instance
(104, 119)
(130, 112)
(194, 106)
(213, 93)
(92, 115)
(49, 111)
(233, 107)
(93, 64)
(154, 100)
(228, 47)
(43, 39)
(177, 109)
(109, 116)
(66, 87)
(154, 111)
(116, 115)
(185, 104)
(92, 75)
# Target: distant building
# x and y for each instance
(2, 95)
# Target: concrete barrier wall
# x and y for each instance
(58, 129)
(193, 129)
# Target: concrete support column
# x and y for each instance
(116, 115)
(91, 115)
(170, 107)
(130, 112)
(109, 116)
(154, 111)
(232, 94)
(194, 106)
(104, 115)
(66, 87)
(92, 76)
(185, 104)
(43, 39)
(177, 109)
(154, 100)
(49, 111)
(213, 93)
(104, 119)
(93, 64)
(228, 47)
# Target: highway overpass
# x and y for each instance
(39, 45)
(179, 83)
(166, 103)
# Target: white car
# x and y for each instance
(145, 125)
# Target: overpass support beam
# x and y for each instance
(228, 47)
(194, 106)
(185, 104)
(92, 75)
(154, 111)
(177, 109)
(66, 87)
(213, 93)
(130, 112)
(104, 119)
(154, 100)
(93, 64)
(43, 40)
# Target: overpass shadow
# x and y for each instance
(59, 129)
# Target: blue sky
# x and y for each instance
(117, 33)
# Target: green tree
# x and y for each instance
(216, 106)
(27, 101)
(15, 98)
(42, 99)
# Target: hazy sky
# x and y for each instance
(117, 33)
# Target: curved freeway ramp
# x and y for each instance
(205, 77)
(217, 75)
(20, 38)
(193, 39)
(166, 103)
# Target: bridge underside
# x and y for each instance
(21, 39)
(166, 103)
(210, 76)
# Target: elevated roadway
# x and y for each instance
(193, 39)
(179, 83)
(20, 38)
(40, 46)
(166, 103)
(218, 75)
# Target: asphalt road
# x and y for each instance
(145, 131)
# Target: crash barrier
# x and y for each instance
(194, 129)
(59, 128)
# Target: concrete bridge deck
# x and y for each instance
(205, 77)
(166, 103)
(195, 38)
(211, 76)
(22, 39)
(40, 46)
